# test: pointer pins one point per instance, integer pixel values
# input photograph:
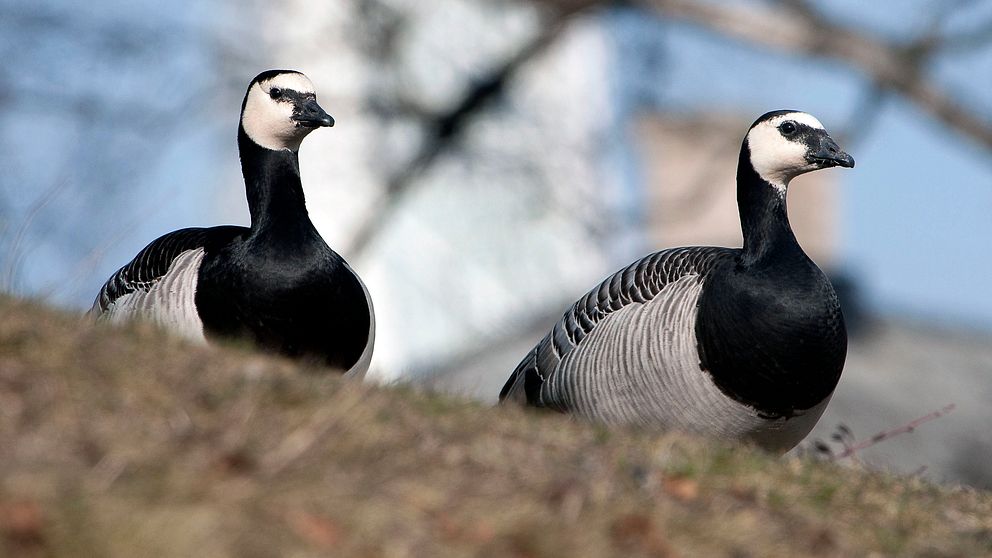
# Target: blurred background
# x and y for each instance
(493, 160)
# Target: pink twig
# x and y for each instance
(886, 434)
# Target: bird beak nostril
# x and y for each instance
(313, 116)
(829, 154)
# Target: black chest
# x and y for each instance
(299, 299)
(772, 338)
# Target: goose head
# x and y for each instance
(280, 109)
(784, 144)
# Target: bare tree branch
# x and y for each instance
(444, 130)
(798, 28)
(865, 114)
(890, 66)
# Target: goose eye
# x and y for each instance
(787, 128)
(275, 93)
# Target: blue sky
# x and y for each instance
(915, 212)
(917, 220)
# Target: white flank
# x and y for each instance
(359, 369)
(640, 365)
(170, 302)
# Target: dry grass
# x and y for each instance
(129, 443)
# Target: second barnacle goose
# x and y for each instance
(740, 344)
(276, 283)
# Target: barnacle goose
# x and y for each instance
(739, 344)
(275, 283)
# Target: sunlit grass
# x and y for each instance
(125, 442)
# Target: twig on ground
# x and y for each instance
(851, 449)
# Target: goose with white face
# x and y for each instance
(281, 109)
(785, 144)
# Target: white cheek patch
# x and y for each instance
(268, 122)
(775, 158)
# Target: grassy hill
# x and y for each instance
(121, 442)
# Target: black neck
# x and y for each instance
(764, 218)
(272, 185)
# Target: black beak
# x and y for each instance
(828, 154)
(310, 114)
